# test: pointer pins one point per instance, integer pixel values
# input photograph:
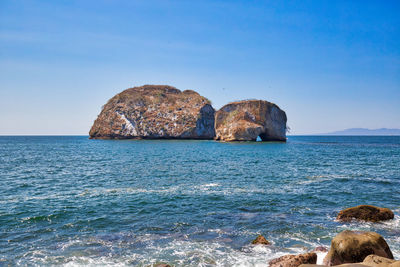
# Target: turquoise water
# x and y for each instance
(73, 201)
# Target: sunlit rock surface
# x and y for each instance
(153, 112)
(249, 119)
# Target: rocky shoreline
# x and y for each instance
(348, 248)
(165, 112)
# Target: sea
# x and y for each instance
(71, 201)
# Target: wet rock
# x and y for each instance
(294, 260)
(161, 265)
(249, 119)
(365, 213)
(353, 247)
(260, 240)
(321, 249)
(378, 261)
(153, 112)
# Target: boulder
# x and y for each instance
(365, 213)
(155, 111)
(294, 260)
(249, 119)
(353, 247)
(378, 261)
(260, 240)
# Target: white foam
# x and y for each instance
(320, 257)
(179, 252)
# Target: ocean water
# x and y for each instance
(71, 201)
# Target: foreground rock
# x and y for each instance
(369, 261)
(377, 261)
(294, 260)
(341, 265)
(353, 247)
(365, 213)
(155, 111)
(260, 240)
(247, 120)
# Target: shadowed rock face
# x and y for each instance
(352, 247)
(153, 112)
(247, 120)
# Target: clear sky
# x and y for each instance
(329, 64)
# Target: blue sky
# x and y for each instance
(329, 64)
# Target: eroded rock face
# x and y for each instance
(249, 119)
(353, 247)
(365, 213)
(294, 260)
(155, 111)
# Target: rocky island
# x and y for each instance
(246, 120)
(162, 111)
(153, 112)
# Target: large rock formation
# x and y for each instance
(155, 111)
(365, 213)
(353, 247)
(249, 119)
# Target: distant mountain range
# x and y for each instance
(364, 131)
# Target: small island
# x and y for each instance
(165, 112)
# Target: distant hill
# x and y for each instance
(364, 131)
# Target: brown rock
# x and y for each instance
(321, 249)
(249, 119)
(155, 111)
(378, 261)
(353, 247)
(294, 260)
(365, 213)
(161, 265)
(260, 240)
(342, 265)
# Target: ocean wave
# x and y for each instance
(178, 250)
(205, 189)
